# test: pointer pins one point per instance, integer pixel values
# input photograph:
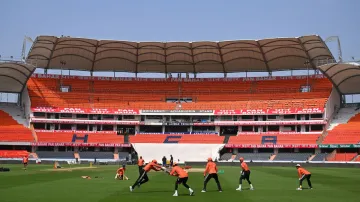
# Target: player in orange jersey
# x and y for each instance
(245, 174)
(182, 178)
(303, 174)
(25, 161)
(140, 164)
(120, 173)
(211, 172)
(143, 178)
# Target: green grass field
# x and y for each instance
(271, 184)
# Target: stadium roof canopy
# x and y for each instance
(344, 76)
(50, 52)
(14, 76)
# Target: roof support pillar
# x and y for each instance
(51, 54)
(94, 58)
(192, 57)
(137, 59)
(264, 58)
(222, 60)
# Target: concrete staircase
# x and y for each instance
(16, 113)
(343, 116)
(311, 157)
(356, 158)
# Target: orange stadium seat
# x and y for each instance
(13, 153)
(281, 139)
(66, 137)
(343, 157)
(45, 92)
(12, 131)
(348, 133)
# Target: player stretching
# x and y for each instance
(245, 174)
(303, 174)
(140, 164)
(120, 174)
(211, 172)
(182, 178)
(143, 178)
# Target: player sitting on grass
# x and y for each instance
(245, 174)
(303, 174)
(182, 178)
(120, 174)
(211, 172)
(143, 178)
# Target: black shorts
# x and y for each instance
(25, 164)
(245, 175)
(182, 180)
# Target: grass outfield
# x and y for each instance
(271, 184)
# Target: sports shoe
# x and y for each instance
(192, 193)
(175, 194)
(131, 189)
(251, 189)
(203, 191)
(220, 190)
(299, 189)
(238, 189)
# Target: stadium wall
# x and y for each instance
(180, 152)
(281, 164)
(26, 104)
(332, 105)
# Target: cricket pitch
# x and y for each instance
(68, 169)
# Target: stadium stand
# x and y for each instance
(292, 156)
(98, 155)
(160, 138)
(342, 157)
(12, 131)
(280, 139)
(343, 116)
(254, 156)
(123, 155)
(347, 133)
(45, 92)
(55, 155)
(320, 157)
(226, 157)
(65, 137)
(357, 159)
(13, 153)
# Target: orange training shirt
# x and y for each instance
(210, 168)
(25, 159)
(152, 166)
(244, 166)
(140, 162)
(120, 171)
(302, 171)
(177, 171)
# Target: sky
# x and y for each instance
(180, 20)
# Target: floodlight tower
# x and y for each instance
(336, 38)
